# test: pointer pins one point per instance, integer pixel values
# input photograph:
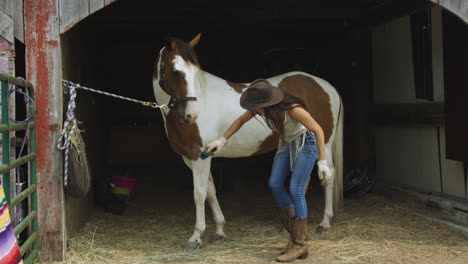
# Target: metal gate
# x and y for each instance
(26, 229)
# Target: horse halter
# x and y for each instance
(174, 98)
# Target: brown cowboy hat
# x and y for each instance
(260, 93)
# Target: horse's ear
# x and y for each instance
(195, 41)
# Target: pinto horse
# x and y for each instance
(202, 106)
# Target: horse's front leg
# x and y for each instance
(328, 195)
(216, 210)
(201, 171)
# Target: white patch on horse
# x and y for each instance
(190, 71)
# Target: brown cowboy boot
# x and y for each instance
(287, 217)
(300, 248)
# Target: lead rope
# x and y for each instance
(70, 125)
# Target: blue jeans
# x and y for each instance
(301, 171)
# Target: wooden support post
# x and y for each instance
(44, 70)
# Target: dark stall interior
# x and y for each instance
(114, 50)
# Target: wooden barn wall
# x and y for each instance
(411, 154)
(14, 9)
(73, 11)
(458, 7)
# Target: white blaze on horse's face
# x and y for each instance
(189, 70)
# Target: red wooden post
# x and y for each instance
(43, 67)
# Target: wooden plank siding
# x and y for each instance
(14, 10)
(73, 11)
(458, 7)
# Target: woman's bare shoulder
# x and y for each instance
(297, 113)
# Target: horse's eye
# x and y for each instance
(175, 71)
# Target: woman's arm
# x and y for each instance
(302, 116)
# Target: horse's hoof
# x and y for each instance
(191, 246)
(322, 229)
(216, 237)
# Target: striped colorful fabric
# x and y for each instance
(9, 250)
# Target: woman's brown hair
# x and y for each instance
(274, 114)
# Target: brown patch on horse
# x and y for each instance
(268, 145)
(238, 87)
(183, 138)
(317, 101)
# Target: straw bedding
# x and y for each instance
(369, 230)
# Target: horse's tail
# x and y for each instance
(337, 149)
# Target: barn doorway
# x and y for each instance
(114, 50)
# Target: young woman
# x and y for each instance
(301, 143)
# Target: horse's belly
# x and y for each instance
(250, 141)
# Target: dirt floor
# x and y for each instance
(369, 230)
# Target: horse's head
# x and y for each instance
(174, 78)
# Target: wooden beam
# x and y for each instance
(95, 5)
(44, 70)
(458, 7)
(6, 28)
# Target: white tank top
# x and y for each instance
(294, 138)
(292, 128)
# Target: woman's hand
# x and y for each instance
(324, 171)
(215, 146)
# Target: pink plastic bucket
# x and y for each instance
(125, 182)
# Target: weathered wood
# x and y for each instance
(14, 10)
(84, 9)
(44, 70)
(6, 27)
(73, 11)
(458, 7)
(18, 20)
(69, 13)
(6, 6)
(95, 5)
(108, 2)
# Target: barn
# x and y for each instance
(399, 66)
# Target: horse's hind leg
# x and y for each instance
(216, 210)
(201, 172)
(328, 195)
